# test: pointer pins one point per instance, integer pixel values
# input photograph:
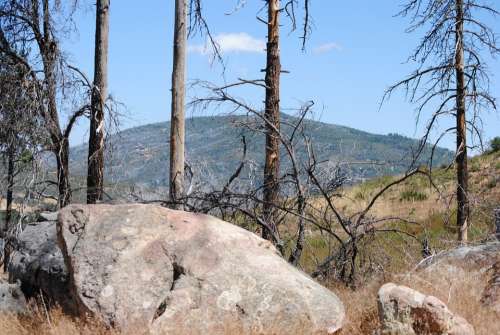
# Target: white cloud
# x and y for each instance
(327, 47)
(232, 43)
(198, 48)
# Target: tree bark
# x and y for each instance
(8, 208)
(95, 173)
(272, 114)
(461, 155)
(64, 188)
(10, 191)
(48, 49)
(296, 254)
(177, 126)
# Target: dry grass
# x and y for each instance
(484, 183)
(55, 322)
(461, 294)
(361, 309)
(460, 290)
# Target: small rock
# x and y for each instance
(12, 299)
(404, 311)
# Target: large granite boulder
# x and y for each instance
(404, 311)
(146, 268)
(12, 299)
(37, 262)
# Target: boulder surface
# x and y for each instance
(11, 298)
(469, 257)
(37, 262)
(151, 269)
(404, 311)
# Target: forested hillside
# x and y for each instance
(140, 154)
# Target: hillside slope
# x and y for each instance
(140, 154)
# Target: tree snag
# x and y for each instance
(95, 173)
(177, 126)
(272, 114)
(461, 154)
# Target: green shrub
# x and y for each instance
(495, 144)
(412, 195)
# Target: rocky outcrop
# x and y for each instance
(12, 298)
(404, 311)
(37, 262)
(172, 272)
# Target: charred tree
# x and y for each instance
(461, 151)
(10, 188)
(272, 115)
(95, 174)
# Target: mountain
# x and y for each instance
(214, 149)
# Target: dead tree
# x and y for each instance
(272, 102)
(463, 207)
(20, 132)
(186, 22)
(31, 25)
(10, 186)
(303, 184)
(272, 114)
(452, 77)
(177, 122)
(21, 138)
(95, 174)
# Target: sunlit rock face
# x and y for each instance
(404, 311)
(147, 268)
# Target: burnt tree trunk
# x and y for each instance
(272, 115)
(95, 173)
(63, 184)
(8, 208)
(177, 126)
(10, 190)
(461, 154)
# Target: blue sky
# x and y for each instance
(357, 49)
